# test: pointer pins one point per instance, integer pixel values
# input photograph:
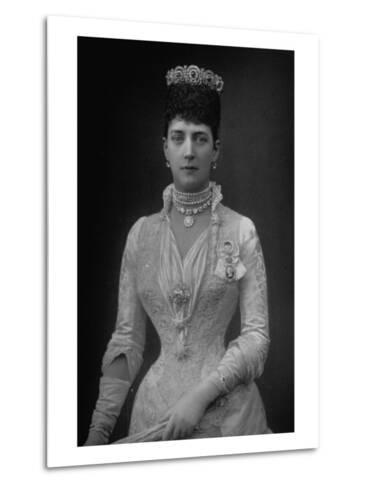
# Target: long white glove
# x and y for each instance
(112, 394)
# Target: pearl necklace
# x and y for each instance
(191, 198)
(202, 200)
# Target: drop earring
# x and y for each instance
(213, 165)
(168, 164)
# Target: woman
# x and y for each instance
(188, 268)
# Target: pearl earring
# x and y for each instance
(213, 165)
(168, 164)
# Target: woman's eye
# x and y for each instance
(177, 138)
(201, 139)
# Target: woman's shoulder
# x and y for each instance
(147, 221)
(234, 219)
(136, 228)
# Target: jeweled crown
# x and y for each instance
(194, 76)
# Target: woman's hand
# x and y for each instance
(188, 411)
(184, 416)
(96, 438)
(112, 394)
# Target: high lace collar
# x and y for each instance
(167, 197)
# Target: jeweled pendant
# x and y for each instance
(188, 221)
(229, 272)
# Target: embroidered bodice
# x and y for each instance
(191, 303)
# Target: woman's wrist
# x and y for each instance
(112, 394)
(207, 392)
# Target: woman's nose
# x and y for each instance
(188, 149)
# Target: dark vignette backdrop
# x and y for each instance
(121, 175)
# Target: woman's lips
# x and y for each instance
(189, 168)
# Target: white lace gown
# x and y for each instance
(191, 303)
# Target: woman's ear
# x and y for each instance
(216, 149)
(164, 145)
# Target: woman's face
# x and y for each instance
(190, 150)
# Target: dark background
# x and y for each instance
(122, 173)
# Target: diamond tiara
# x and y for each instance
(194, 75)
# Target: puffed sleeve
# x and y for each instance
(245, 356)
(130, 330)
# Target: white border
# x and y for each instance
(62, 447)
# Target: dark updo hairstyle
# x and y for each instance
(193, 103)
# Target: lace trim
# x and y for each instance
(167, 197)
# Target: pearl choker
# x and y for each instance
(197, 202)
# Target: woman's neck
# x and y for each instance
(192, 198)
